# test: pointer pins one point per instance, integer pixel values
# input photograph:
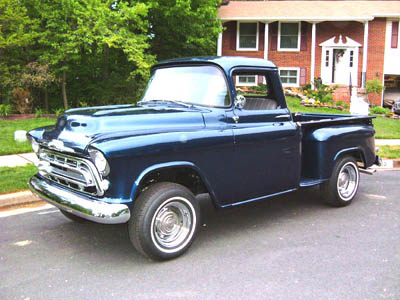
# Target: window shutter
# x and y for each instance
(261, 36)
(232, 31)
(303, 38)
(303, 76)
(274, 36)
(395, 34)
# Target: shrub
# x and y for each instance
(5, 110)
(22, 101)
(59, 112)
(377, 110)
(373, 86)
(321, 92)
(38, 113)
(339, 103)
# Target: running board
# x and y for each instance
(368, 171)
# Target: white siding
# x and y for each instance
(392, 56)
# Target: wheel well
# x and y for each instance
(357, 154)
(185, 176)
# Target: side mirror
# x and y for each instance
(240, 101)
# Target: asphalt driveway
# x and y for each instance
(291, 247)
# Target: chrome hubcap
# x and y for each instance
(347, 181)
(173, 224)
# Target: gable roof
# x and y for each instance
(308, 10)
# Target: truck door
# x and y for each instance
(266, 140)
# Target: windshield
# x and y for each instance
(202, 85)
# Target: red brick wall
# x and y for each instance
(300, 59)
(229, 41)
(324, 31)
(327, 30)
(376, 53)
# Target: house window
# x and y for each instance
(289, 76)
(246, 80)
(351, 58)
(289, 36)
(327, 58)
(247, 36)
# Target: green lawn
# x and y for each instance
(389, 152)
(385, 128)
(7, 143)
(16, 178)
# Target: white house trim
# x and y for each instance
(313, 33)
(219, 44)
(365, 55)
(266, 40)
(238, 37)
(298, 38)
(328, 47)
(361, 19)
(297, 77)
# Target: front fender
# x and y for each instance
(172, 164)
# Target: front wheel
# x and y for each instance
(342, 187)
(165, 221)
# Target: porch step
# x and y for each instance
(342, 93)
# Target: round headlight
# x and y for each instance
(35, 145)
(99, 161)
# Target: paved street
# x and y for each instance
(290, 247)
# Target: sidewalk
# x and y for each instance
(383, 142)
(18, 159)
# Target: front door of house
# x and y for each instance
(339, 61)
(341, 70)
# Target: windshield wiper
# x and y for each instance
(168, 101)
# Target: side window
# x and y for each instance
(257, 89)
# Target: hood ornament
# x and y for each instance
(59, 145)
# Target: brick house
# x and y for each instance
(342, 42)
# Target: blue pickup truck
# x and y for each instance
(216, 125)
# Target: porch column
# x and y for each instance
(365, 56)
(266, 40)
(312, 73)
(219, 44)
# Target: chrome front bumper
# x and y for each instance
(80, 205)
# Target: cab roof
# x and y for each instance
(225, 62)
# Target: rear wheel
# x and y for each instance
(342, 187)
(165, 221)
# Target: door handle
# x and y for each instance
(282, 117)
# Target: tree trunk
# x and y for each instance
(46, 99)
(64, 89)
(106, 72)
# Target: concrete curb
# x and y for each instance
(19, 198)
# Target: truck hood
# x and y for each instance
(78, 128)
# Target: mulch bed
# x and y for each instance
(15, 117)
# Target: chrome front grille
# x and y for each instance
(73, 172)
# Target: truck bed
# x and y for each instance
(318, 120)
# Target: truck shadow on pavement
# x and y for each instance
(111, 242)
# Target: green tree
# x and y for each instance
(17, 35)
(77, 28)
(181, 28)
